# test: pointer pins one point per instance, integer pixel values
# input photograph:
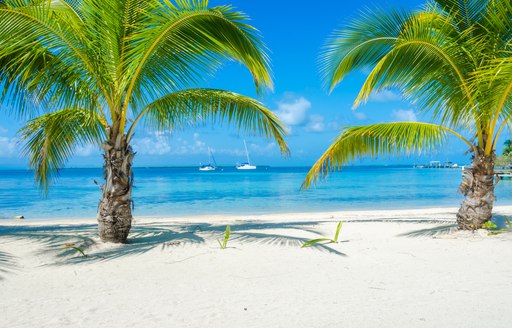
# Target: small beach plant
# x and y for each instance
(328, 240)
(489, 225)
(99, 69)
(493, 228)
(223, 244)
(76, 248)
(453, 60)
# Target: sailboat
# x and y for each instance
(209, 166)
(247, 165)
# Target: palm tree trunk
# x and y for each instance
(115, 213)
(478, 187)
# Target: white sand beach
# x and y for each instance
(407, 268)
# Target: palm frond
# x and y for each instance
(361, 44)
(395, 138)
(197, 106)
(42, 55)
(52, 138)
(466, 13)
(424, 54)
(177, 45)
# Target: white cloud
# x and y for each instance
(268, 149)
(316, 124)
(157, 143)
(404, 115)
(293, 112)
(262, 150)
(196, 146)
(385, 96)
(360, 116)
(231, 152)
(87, 150)
(8, 147)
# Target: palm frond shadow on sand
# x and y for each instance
(143, 238)
(444, 229)
(7, 264)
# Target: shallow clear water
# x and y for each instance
(167, 192)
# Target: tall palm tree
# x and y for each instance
(453, 58)
(96, 69)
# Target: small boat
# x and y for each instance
(247, 165)
(209, 166)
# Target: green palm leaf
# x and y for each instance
(44, 57)
(197, 106)
(52, 138)
(418, 52)
(378, 139)
(185, 42)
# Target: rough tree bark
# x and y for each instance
(478, 187)
(115, 212)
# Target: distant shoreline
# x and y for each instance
(223, 166)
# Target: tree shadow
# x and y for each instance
(501, 221)
(7, 264)
(63, 241)
(431, 232)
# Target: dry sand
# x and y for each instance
(391, 269)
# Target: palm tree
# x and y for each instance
(508, 148)
(452, 58)
(96, 69)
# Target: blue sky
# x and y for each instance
(294, 32)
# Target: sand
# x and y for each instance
(406, 268)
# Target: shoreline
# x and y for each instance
(433, 214)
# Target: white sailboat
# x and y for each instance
(247, 165)
(209, 166)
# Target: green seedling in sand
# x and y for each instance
(76, 248)
(491, 226)
(328, 240)
(224, 243)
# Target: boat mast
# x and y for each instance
(247, 153)
(212, 159)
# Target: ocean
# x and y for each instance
(172, 192)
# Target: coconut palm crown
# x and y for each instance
(97, 69)
(453, 59)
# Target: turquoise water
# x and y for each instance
(168, 192)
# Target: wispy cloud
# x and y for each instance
(404, 115)
(292, 112)
(8, 147)
(268, 149)
(359, 115)
(193, 147)
(156, 143)
(316, 124)
(385, 96)
(263, 150)
(88, 150)
(160, 143)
